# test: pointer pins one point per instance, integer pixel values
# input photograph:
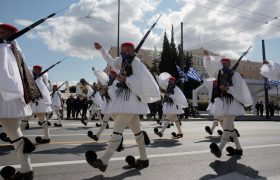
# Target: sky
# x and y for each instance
(227, 27)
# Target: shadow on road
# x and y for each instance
(124, 175)
(6, 150)
(210, 139)
(164, 143)
(230, 166)
(76, 150)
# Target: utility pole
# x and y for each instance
(118, 44)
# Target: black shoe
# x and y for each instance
(97, 124)
(9, 173)
(57, 125)
(231, 151)
(49, 124)
(92, 136)
(215, 150)
(92, 160)
(157, 132)
(207, 129)
(26, 176)
(40, 140)
(136, 164)
(142, 163)
(83, 121)
(179, 135)
(220, 132)
(27, 126)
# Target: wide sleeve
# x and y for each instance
(212, 65)
(44, 91)
(271, 70)
(142, 83)
(97, 99)
(115, 63)
(10, 81)
(90, 92)
(240, 90)
(179, 98)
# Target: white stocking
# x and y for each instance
(13, 131)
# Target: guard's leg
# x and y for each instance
(23, 148)
(101, 129)
(45, 126)
(160, 133)
(173, 118)
(142, 140)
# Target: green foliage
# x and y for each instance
(202, 105)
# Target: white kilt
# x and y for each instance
(222, 108)
(131, 106)
(14, 109)
(172, 109)
(40, 108)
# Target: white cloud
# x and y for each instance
(200, 25)
(76, 38)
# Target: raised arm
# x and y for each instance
(107, 57)
(211, 65)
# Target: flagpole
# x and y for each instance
(182, 55)
(265, 79)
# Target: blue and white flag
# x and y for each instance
(192, 73)
(274, 82)
(183, 75)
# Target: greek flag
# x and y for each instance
(274, 82)
(183, 75)
(192, 73)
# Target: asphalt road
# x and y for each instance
(186, 158)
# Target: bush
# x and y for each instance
(202, 105)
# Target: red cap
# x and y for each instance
(172, 79)
(37, 67)
(225, 59)
(113, 73)
(54, 86)
(9, 27)
(127, 44)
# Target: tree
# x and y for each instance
(173, 50)
(167, 64)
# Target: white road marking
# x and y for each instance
(59, 163)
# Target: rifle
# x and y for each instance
(49, 68)
(239, 59)
(59, 87)
(25, 30)
(136, 50)
(226, 77)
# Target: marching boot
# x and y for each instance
(9, 173)
(136, 163)
(156, 131)
(220, 132)
(215, 150)
(92, 136)
(208, 130)
(92, 160)
(231, 151)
